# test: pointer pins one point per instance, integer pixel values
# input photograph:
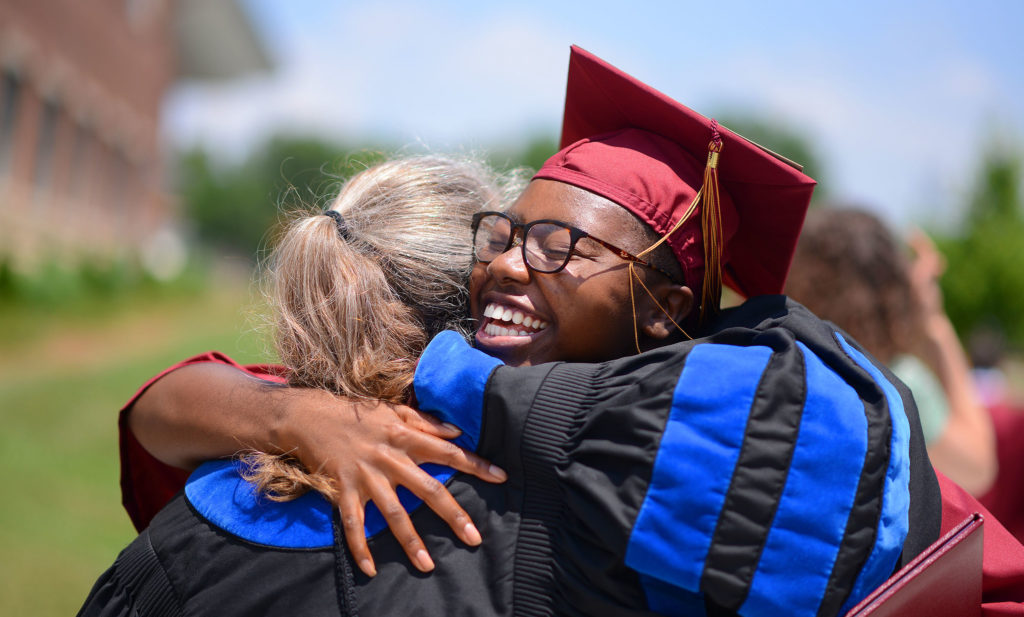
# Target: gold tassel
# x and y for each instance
(711, 227)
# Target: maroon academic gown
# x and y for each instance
(1006, 497)
(147, 485)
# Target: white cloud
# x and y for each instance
(900, 138)
(968, 79)
(395, 70)
(894, 120)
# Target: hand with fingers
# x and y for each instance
(368, 449)
(926, 268)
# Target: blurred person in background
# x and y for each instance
(1005, 498)
(849, 269)
(986, 347)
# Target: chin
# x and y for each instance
(507, 356)
(511, 357)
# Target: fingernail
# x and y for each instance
(425, 562)
(498, 472)
(367, 567)
(472, 535)
(451, 427)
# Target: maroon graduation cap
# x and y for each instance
(641, 149)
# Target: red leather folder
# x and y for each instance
(943, 581)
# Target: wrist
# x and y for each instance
(281, 433)
(932, 328)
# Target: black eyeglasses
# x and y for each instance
(547, 245)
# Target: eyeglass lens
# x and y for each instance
(547, 245)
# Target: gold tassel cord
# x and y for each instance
(686, 216)
(711, 227)
(632, 304)
(632, 301)
(634, 275)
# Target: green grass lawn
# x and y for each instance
(63, 376)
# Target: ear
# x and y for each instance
(677, 302)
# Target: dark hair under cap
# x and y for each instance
(339, 220)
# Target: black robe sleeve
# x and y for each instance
(762, 470)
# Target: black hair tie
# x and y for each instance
(339, 220)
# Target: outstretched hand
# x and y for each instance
(925, 269)
(368, 449)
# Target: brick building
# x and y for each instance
(81, 88)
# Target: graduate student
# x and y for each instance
(576, 276)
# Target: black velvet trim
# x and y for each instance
(563, 395)
(344, 576)
(139, 570)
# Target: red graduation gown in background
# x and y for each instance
(148, 484)
(1003, 558)
(1006, 497)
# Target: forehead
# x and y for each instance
(549, 199)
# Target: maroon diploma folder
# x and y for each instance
(943, 581)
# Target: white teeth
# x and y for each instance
(498, 313)
(493, 329)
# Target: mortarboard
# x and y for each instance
(634, 145)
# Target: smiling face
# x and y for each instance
(582, 313)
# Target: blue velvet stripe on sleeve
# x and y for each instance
(811, 518)
(893, 525)
(705, 430)
(450, 381)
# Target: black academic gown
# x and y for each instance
(770, 467)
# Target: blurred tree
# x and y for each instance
(529, 157)
(782, 140)
(538, 150)
(984, 281)
(233, 207)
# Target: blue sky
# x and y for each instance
(899, 98)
